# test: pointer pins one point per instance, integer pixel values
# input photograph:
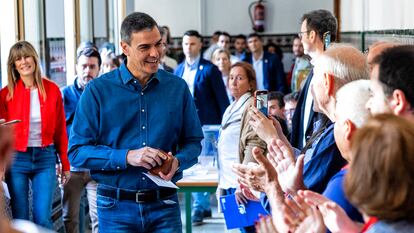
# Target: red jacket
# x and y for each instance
(52, 116)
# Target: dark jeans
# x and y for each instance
(38, 165)
(124, 216)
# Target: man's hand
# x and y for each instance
(265, 225)
(270, 178)
(251, 176)
(290, 172)
(334, 217)
(240, 197)
(146, 157)
(174, 168)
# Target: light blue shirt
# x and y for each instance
(258, 68)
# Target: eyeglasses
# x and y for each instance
(300, 33)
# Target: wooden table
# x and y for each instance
(191, 184)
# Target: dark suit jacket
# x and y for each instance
(210, 95)
(296, 138)
(273, 74)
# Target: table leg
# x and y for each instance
(188, 212)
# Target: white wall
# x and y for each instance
(180, 15)
(8, 34)
(99, 18)
(207, 16)
(368, 15)
(55, 21)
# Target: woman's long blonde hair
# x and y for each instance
(17, 51)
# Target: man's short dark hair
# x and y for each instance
(240, 36)
(136, 22)
(321, 21)
(193, 33)
(396, 70)
(162, 31)
(83, 45)
(225, 34)
(276, 95)
(90, 52)
(294, 96)
(217, 33)
(254, 35)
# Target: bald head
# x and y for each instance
(350, 113)
(344, 62)
(376, 49)
(337, 66)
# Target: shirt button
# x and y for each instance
(135, 81)
(143, 127)
(143, 110)
(143, 178)
(142, 93)
(143, 144)
(102, 169)
(118, 168)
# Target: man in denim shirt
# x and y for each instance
(87, 68)
(123, 118)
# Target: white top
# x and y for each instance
(190, 71)
(308, 105)
(234, 59)
(258, 68)
(225, 78)
(35, 126)
(228, 142)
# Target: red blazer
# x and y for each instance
(52, 116)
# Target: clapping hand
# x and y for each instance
(289, 171)
(334, 217)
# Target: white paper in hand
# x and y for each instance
(6, 190)
(160, 182)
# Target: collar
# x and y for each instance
(75, 83)
(243, 99)
(195, 63)
(127, 77)
(260, 58)
(371, 221)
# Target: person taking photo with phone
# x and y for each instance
(242, 84)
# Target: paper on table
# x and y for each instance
(160, 182)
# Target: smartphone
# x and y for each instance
(260, 101)
(326, 40)
(12, 122)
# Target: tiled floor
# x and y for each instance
(210, 225)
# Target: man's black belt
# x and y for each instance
(140, 196)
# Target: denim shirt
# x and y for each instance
(116, 114)
(71, 95)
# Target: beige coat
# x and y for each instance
(249, 138)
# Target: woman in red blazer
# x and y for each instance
(40, 134)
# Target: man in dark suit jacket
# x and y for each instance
(204, 81)
(314, 25)
(269, 69)
(210, 97)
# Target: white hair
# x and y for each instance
(344, 62)
(351, 100)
